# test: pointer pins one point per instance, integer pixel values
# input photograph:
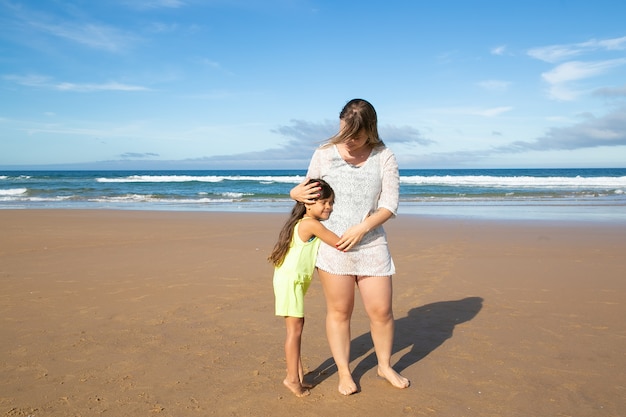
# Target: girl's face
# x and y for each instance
(321, 209)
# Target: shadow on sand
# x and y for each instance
(424, 329)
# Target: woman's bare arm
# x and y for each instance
(354, 234)
(305, 193)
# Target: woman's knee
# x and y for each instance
(381, 313)
(339, 312)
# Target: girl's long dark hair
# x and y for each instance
(297, 212)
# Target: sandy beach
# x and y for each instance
(135, 313)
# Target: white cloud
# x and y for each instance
(30, 22)
(494, 85)
(307, 132)
(214, 65)
(554, 53)
(30, 80)
(608, 130)
(492, 112)
(154, 4)
(90, 34)
(40, 81)
(498, 50)
(473, 111)
(403, 134)
(576, 70)
(303, 138)
(565, 73)
(110, 86)
(611, 92)
(561, 77)
(138, 155)
(160, 27)
(615, 44)
(588, 133)
(561, 92)
(557, 53)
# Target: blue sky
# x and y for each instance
(190, 84)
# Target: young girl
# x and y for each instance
(294, 260)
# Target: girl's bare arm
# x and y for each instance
(313, 227)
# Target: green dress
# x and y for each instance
(293, 277)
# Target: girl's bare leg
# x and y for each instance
(301, 374)
(376, 293)
(339, 294)
(293, 343)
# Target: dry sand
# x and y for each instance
(127, 313)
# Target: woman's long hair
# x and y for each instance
(357, 116)
(297, 212)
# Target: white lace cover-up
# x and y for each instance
(359, 191)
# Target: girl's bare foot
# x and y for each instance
(296, 388)
(393, 377)
(346, 384)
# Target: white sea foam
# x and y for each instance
(453, 180)
(131, 198)
(21, 177)
(520, 181)
(205, 178)
(24, 199)
(234, 194)
(138, 198)
(13, 191)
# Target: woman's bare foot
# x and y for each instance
(393, 377)
(296, 388)
(346, 384)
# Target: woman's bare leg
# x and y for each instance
(376, 293)
(293, 343)
(339, 294)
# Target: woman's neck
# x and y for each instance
(356, 157)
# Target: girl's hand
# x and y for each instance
(352, 237)
(305, 193)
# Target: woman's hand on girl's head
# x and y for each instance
(305, 193)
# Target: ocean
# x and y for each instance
(592, 194)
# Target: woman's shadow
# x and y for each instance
(424, 329)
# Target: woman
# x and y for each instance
(364, 174)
